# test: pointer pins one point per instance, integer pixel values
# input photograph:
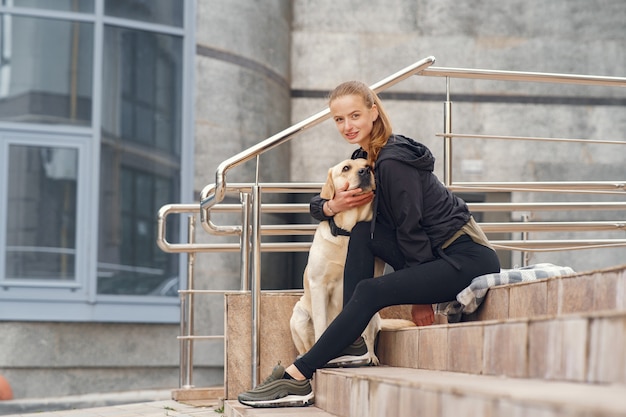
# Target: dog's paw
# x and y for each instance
(374, 360)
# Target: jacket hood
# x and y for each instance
(408, 151)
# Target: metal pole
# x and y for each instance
(183, 342)
(191, 257)
(525, 237)
(245, 241)
(447, 140)
(256, 280)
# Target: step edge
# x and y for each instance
(233, 406)
(580, 396)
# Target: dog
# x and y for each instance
(322, 300)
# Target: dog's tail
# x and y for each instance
(395, 324)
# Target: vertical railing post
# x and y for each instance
(182, 366)
(447, 140)
(255, 290)
(245, 241)
(525, 236)
(186, 314)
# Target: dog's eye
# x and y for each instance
(346, 168)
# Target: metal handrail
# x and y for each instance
(593, 226)
(536, 77)
(604, 187)
(540, 139)
(301, 229)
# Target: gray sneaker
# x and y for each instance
(354, 355)
(278, 392)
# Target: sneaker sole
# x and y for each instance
(288, 401)
(349, 362)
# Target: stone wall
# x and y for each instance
(334, 42)
(45, 360)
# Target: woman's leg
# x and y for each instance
(362, 250)
(428, 283)
(359, 259)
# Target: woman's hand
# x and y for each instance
(345, 199)
(423, 314)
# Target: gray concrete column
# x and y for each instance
(242, 97)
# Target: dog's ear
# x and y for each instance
(328, 189)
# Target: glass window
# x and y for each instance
(166, 12)
(140, 159)
(45, 70)
(85, 6)
(41, 213)
(142, 88)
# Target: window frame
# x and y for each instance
(78, 286)
(80, 302)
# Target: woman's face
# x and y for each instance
(353, 119)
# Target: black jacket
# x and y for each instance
(411, 200)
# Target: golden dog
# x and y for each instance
(323, 276)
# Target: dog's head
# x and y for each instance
(356, 172)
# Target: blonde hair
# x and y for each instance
(381, 129)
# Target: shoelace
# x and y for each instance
(271, 377)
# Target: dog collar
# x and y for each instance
(336, 230)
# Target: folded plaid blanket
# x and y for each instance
(468, 300)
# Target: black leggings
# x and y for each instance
(428, 283)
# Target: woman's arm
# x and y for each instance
(343, 199)
(316, 208)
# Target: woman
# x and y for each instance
(419, 228)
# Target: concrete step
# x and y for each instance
(393, 391)
(233, 408)
(527, 307)
(555, 347)
(587, 347)
(599, 290)
(560, 296)
(197, 394)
